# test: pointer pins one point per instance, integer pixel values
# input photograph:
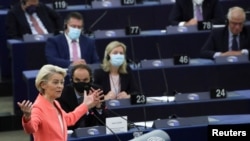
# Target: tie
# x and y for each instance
(36, 25)
(235, 43)
(199, 15)
(74, 50)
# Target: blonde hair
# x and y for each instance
(106, 64)
(45, 72)
(236, 10)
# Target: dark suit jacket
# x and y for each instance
(183, 11)
(218, 41)
(68, 102)
(17, 24)
(128, 83)
(57, 50)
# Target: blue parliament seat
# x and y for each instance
(138, 46)
(195, 128)
(124, 15)
(192, 78)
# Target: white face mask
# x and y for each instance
(198, 1)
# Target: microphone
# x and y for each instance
(89, 30)
(163, 72)
(92, 113)
(155, 135)
(130, 124)
(139, 80)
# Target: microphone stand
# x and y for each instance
(163, 72)
(89, 30)
(105, 125)
(136, 134)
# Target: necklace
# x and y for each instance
(115, 83)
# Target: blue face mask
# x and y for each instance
(117, 59)
(74, 33)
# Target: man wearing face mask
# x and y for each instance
(189, 12)
(71, 47)
(115, 77)
(32, 17)
(72, 96)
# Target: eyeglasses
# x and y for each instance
(236, 23)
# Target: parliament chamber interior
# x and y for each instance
(175, 92)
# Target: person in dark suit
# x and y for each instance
(221, 40)
(184, 12)
(59, 50)
(72, 96)
(115, 76)
(19, 19)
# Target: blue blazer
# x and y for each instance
(218, 41)
(183, 11)
(57, 50)
(17, 24)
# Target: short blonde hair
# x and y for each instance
(45, 72)
(106, 64)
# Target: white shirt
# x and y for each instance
(69, 41)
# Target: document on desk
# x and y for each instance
(160, 99)
(116, 124)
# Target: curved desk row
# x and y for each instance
(123, 15)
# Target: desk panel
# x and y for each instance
(24, 59)
(233, 104)
(123, 16)
(193, 77)
(194, 133)
(184, 79)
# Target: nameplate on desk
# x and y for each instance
(106, 3)
(109, 33)
(117, 124)
(132, 30)
(204, 25)
(218, 93)
(181, 59)
(138, 99)
(231, 59)
(89, 131)
(180, 122)
(192, 97)
(128, 2)
(60, 4)
(167, 1)
(181, 29)
(153, 63)
(36, 37)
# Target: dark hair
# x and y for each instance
(81, 66)
(75, 15)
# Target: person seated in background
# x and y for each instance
(189, 12)
(115, 77)
(32, 17)
(71, 47)
(72, 96)
(45, 119)
(233, 39)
